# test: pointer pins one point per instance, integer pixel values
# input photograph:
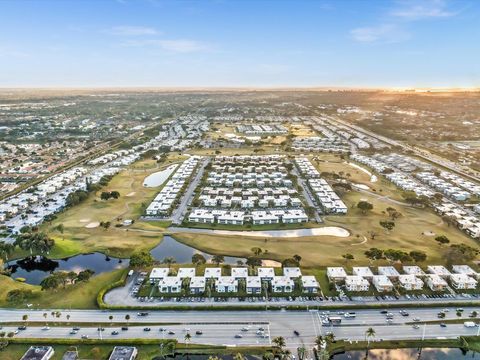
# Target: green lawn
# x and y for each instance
(78, 296)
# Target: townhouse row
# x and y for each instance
(413, 278)
(265, 277)
(163, 202)
(463, 219)
(328, 199)
(334, 144)
(256, 217)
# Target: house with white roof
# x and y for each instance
(410, 282)
(170, 284)
(336, 274)
(226, 284)
(212, 273)
(388, 271)
(436, 282)
(282, 284)
(184, 273)
(197, 284)
(382, 283)
(266, 273)
(253, 285)
(439, 270)
(356, 283)
(463, 282)
(465, 269)
(292, 272)
(158, 273)
(413, 270)
(239, 273)
(310, 284)
(363, 271)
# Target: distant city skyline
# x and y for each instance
(222, 43)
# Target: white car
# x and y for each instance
(46, 328)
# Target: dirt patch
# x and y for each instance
(92, 225)
(271, 263)
(130, 194)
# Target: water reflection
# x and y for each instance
(183, 253)
(35, 268)
(408, 354)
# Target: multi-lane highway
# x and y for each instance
(225, 328)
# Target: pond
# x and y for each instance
(408, 354)
(35, 268)
(159, 177)
(183, 253)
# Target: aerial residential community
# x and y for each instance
(239, 180)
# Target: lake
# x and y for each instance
(159, 177)
(408, 354)
(35, 269)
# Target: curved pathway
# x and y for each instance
(321, 231)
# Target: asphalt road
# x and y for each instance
(220, 328)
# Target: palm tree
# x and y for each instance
(330, 338)
(286, 354)
(68, 318)
(368, 334)
(25, 318)
(169, 260)
(111, 319)
(127, 317)
(319, 341)
(187, 339)
(279, 342)
(301, 352)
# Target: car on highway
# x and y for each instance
(73, 332)
(443, 325)
(124, 328)
(142, 314)
(114, 332)
(147, 329)
(84, 336)
(416, 326)
(46, 328)
(23, 327)
(199, 332)
(76, 328)
(296, 333)
(244, 329)
(171, 332)
(238, 336)
(416, 319)
(100, 329)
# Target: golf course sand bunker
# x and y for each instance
(361, 186)
(323, 231)
(130, 194)
(428, 233)
(84, 220)
(92, 225)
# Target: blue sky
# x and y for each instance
(240, 43)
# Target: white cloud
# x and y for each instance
(422, 9)
(388, 33)
(132, 31)
(171, 45)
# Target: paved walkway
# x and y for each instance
(320, 231)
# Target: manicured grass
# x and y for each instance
(250, 227)
(121, 242)
(77, 296)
